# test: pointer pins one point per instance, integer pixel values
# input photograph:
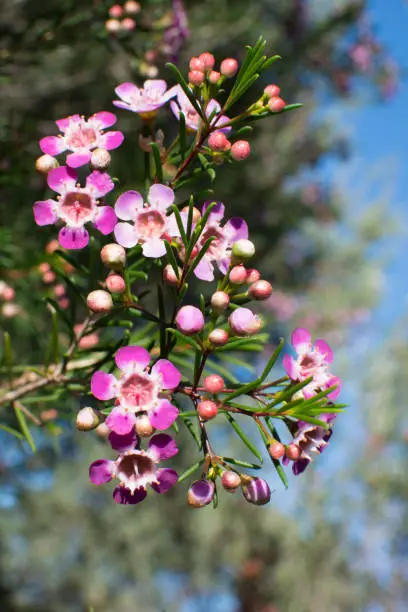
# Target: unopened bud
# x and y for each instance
(256, 491)
(48, 415)
(100, 159)
(230, 480)
(8, 294)
(196, 213)
(253, 275)
(59, 290)
(201, 493)
(52, 246)
(113, 256)
(292, 452)
(10, 310)
(170, 277)
(190, 320)
(128, 24)
(197, 64)
(214, 77)
(45, 163)
(218, 337)
(131, 7)
(112, 26)
(218, 141)
(64, 303)
(99, 301)
(220, 301)
(244, 322)
(272, 91)
(87, 419)
(242, 250)
(196, 77)
(208, 60)
(260, 290)
(238, 275)
(115, 10)
(207, 410)
(214, 383)
(276, 450)
(102, 430)
(49, 277)
(116, 283)
(240, 150)
(275, 105)
(229, 67)
(143, 427)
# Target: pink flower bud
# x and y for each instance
(116, 10)
(218, 141)
(196, 77)
(242, 250)
(128, 24)
(292, 452)
(102, 430)
(230, 480)
(272, 91)
(257, 491)
(275, 105)
(143, 427)
(260, 290)
(8, 294)
(45, 163)
(59, 290)
(214, 77)
(220, 301)
(44, 267)
(240, 150)
(197, 64)
(116, 283)
(64, 303)
(218, 337)
(112, 26)
(170, 277)
(100, 159)
(190, 320)
(208, 60)
(243, 322)
(10, 310)
(229, 67)
(113, 256)
(214, 383)
(49, 277)
(276, 450)
(99, 301)
(87, 419)
(238, 275)
(52, 246)
(253, 275)
(201, 493)
(196, 213)
(207, 410)
(48, 415)
(131, 7)
(89, 341)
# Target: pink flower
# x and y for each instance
(310, 439)
(136, 469)
(76, 206)
(144, 99)
(138, 390)
(183, 105)
(81, 135)
(149, 225)
(313, 360)
(219, 251)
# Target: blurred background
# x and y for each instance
(324, 194)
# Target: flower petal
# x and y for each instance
(236, 228)
(128, 355)
(299, 466)
(105, 219)
(154, 248)
(289, 365)
(122, 495)
(128, 204)
(100, 182)
(104, 119)
(64, 123)
(126, 235)
(205, 270)
(163, 447)
(335, 380)
(100, 471)
(126, 91)
(61, 179)
(123, 443)
(112, 140)
(168, 372)
(157, 85)
(103, 385)
(73, 238)
(216, 214)
(167, 478)
(78, 159)
(163, 415)
(44, 212)
(301, 340)
(324, 349)
(160, 196)
(52, 145)
(120, 422)
(123, 105)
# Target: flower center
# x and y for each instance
(151, 224)
(135, 470)
(217, 247)
(81, 136)
(77, 208)
(138, 390)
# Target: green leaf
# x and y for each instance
(281, 472)
(180, 226)
(71, 260)
(8, 357)
(183, 338)
(199, 257)
(245, 464)
(183, 84)
(157, 161)
(272, 360)
(244, 437)
(12, 431)
(24, 427)
(192, 431)
(183, 140)
(190, 470)
(53, 350)
(172, 259)
(245, 389)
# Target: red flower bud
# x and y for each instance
(240, 150)
(207, 410)
(218, 337)
(260, 290)
(276, 450)
(214, 383)
(229, 67)
(275, 105)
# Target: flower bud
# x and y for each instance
(292, 452)
(99, 301)
(218, 141)
(143, 427)
(116, 283)
(64, 303)
(196, 213)
(218, 337)
(190, 320)
(243, 322)
(112, 26)
(87, 419)
(208, 60)
(100, 159)
(131, 7)
(197, 64)
(214, 77)
(59, 290)
(44, 267)
(201, 493)
(240, 150)
(214, 383)
(52, 246)
(253, 275)
(229, 67)
(102, 430)
(115, 10)
(128, 24)
(48, 415)
(219, 301)
(49, 277)
(170, 277)
(196, 77)
(88, 341)
(260, 290)
(230, 480)
(45, 163)
(113, 256)
(272, 91)
(242, 250)
(238, 275)
(275, 105)
(276, 450)
(8, 294)
(10, 310)
(207, 410)
(256, 491)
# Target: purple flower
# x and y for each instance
(313, 360)
(81, 135)
(224, 236)
(183, 105)
(76, 206)
(310, 439)
(137, 390)
(178, 32)
(146, 99)
(136, 469)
